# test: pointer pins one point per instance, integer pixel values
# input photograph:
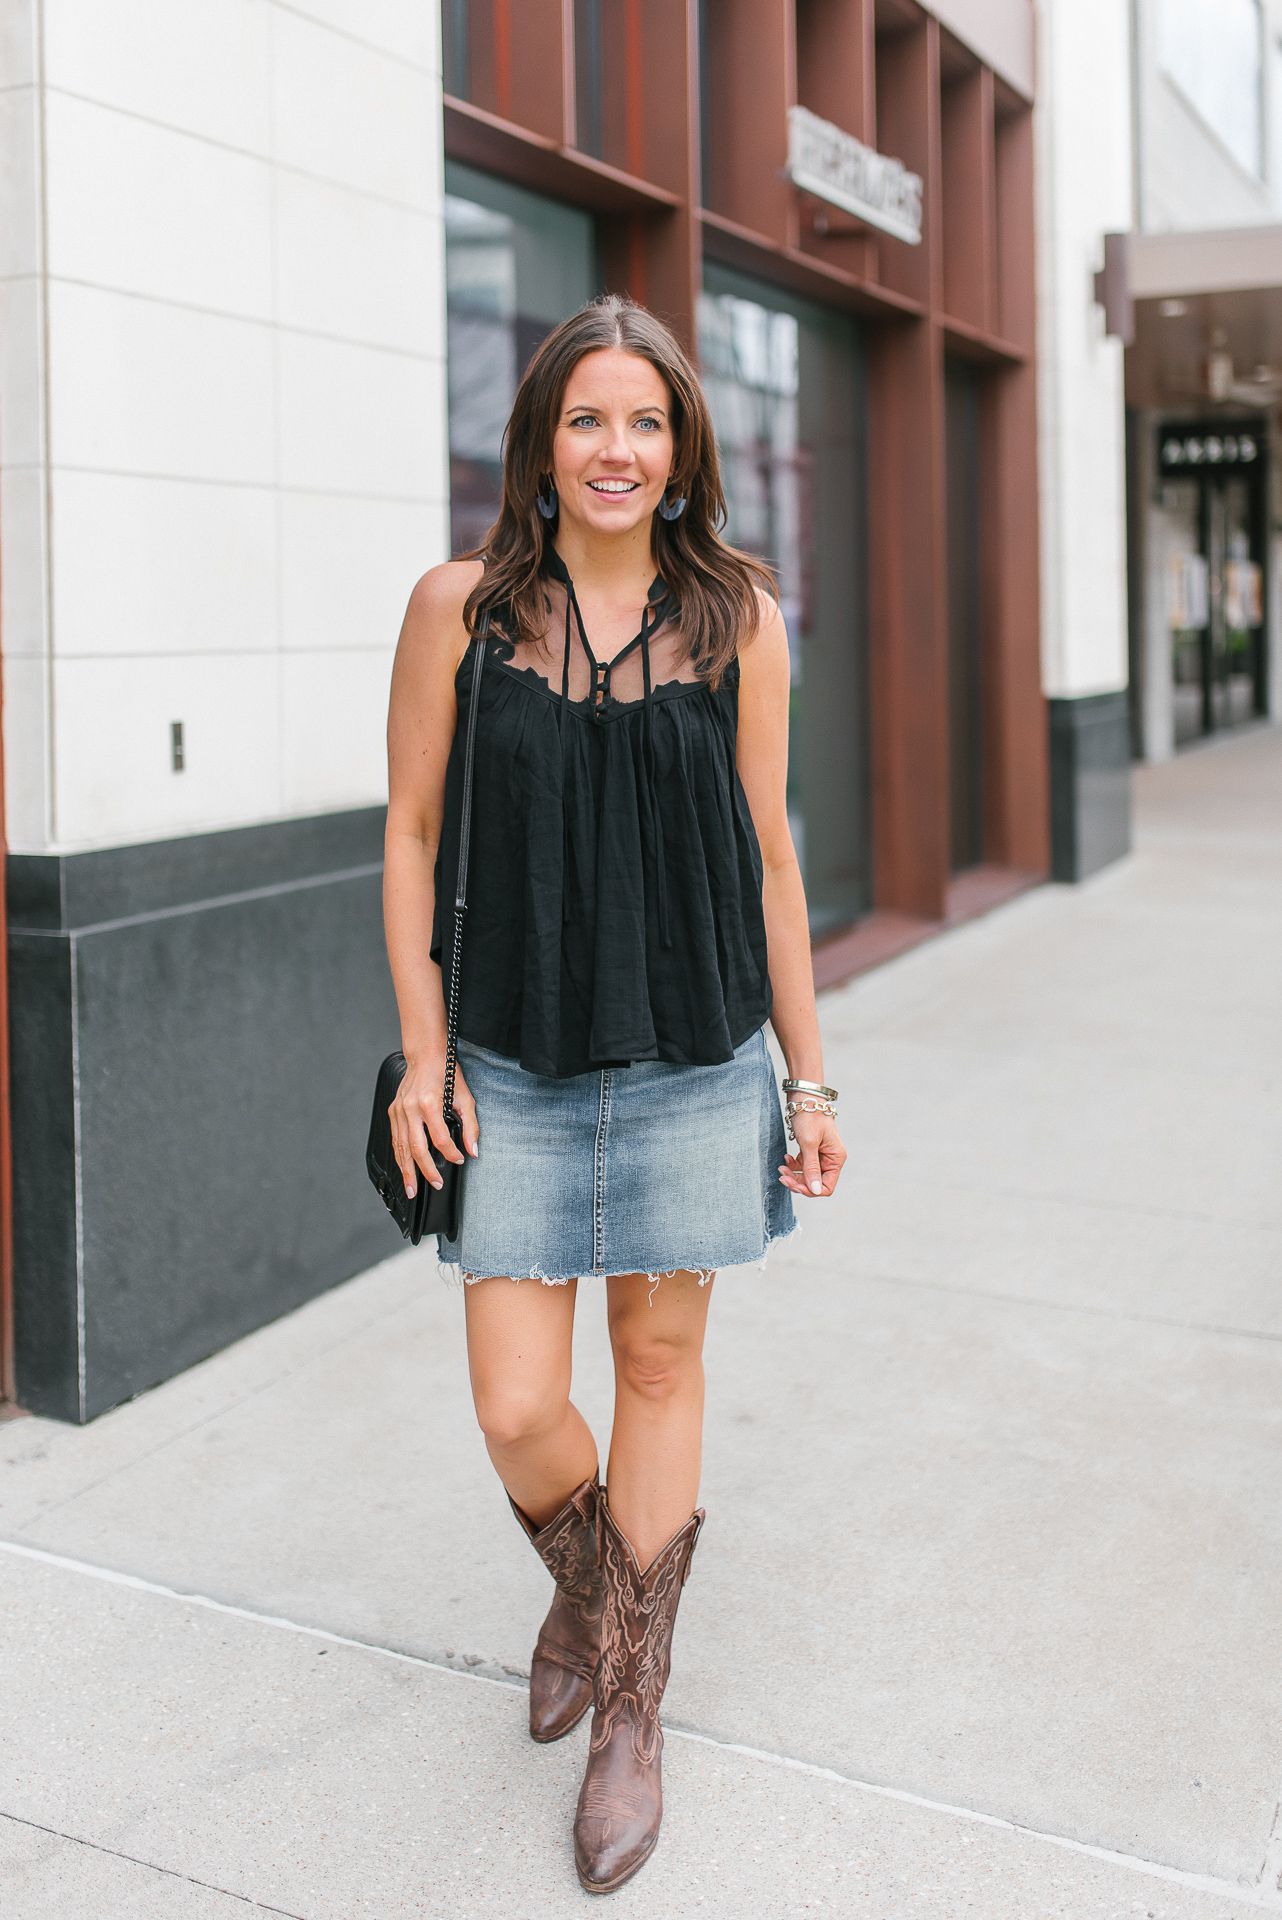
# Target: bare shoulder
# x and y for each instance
(762, 652)
(440, 596)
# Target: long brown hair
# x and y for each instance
(714, 585)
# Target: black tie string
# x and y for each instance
(657, 611)
(660, 869)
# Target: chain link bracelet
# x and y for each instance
(808, 1106)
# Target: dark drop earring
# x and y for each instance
(672, 509)
(548, 505)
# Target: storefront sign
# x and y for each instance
(1181, 451)
(841, 170)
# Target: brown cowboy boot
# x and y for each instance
(569, 1643)
(621, 1799)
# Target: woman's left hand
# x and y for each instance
(813, 1171)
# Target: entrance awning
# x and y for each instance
(1207, 319)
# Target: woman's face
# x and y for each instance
(613, 449)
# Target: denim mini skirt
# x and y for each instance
(653, 1168)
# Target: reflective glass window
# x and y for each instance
(515, 264)
(784, 381)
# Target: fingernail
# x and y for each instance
(816, 1186)
(409, 1191)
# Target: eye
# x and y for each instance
(650, 421)
(583, 420)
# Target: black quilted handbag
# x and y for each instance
(433, 1209)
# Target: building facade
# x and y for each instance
(1202, 266)
(272, 275)
(222, 466)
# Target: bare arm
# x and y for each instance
(763, 768)
(420, 729)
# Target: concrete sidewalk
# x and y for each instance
(985, 1618)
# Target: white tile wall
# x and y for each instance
(201, 65)
(23, 576)
(27, 764)
(333, 729)
(17, 43)
(139, 386)
(142, 566)
(140, 207)
(358, 420)
(112, 772)
(1082, 127)
(346, 567)
(406, 28)
(19, 182)
(346, 113)
(21, 374)
(357, 268)
(226, 293)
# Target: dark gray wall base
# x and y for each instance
(195, 1028)
(1090, 768)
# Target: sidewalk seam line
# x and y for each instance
(170, 1873)
(1257, 1894)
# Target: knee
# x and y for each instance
(516, 1416)
(653, 1369)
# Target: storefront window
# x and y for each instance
(515, 264)
(784, 381)
(1212, 530)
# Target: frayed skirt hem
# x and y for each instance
(455, 1275)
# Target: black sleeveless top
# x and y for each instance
(614, 881)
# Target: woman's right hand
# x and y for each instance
(417, 1117)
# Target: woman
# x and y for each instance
(635, 914)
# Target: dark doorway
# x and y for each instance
(1214, 505)
(965, 617)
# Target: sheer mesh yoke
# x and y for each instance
(621, 680)
(614, 890)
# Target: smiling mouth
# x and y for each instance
(614, 487)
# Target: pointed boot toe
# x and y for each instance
(620, 1812)
(620, 1807)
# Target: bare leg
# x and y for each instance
(656, 1448)
(519, 1349)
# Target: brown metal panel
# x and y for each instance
(908, 130)
(751, 74)
(1016, 285)
(835, 73)
(802, 270)
(1017, 803)
(499, 146)
(908, 638)
(535, 83)
(667, 53)
(569, 114)
(969, 193)
(836, 78)
(658, 260)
